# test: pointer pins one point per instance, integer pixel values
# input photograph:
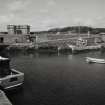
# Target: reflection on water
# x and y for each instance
(59, 80)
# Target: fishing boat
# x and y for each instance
(9, 78)
(94, 60)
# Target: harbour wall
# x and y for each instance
(49, 41)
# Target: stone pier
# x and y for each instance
(3, 99)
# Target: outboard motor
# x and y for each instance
(4, 67)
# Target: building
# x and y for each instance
(16, 34)
(18, 29)
(102, 35)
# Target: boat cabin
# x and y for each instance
(4, 67)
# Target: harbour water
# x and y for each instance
(59, 79)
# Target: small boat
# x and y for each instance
(94, 60)
(9, 78)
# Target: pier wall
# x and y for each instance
(43, 40)
(73, 41)
(55, 37)
(60, 36)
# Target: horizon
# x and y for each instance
(52, 28)
(43, 15)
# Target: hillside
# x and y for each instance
(74, 29)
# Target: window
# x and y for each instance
(18, 32)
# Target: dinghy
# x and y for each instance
(9, 78)
(94, 60)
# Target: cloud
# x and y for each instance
(43, 14)
(6, 18)
(51, 2)
(17, 5)
(77, 20)
(93, 22)
(14, 12)
(84, 21)
(44, 10)
(48, 6)
(89, 22)
(100, 21)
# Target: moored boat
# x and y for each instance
(9, 78)
(94, 60)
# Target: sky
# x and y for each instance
(47, 14)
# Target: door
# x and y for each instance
(1, 40)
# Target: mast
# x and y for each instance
(79, 30)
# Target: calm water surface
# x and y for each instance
(63, 79)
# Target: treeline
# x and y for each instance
(75, 29)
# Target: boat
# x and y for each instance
(9, 78)
(94, 60)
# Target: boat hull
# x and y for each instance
(13, 80)
(94, 60)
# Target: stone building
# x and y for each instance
(16, 34)
(18, 29)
